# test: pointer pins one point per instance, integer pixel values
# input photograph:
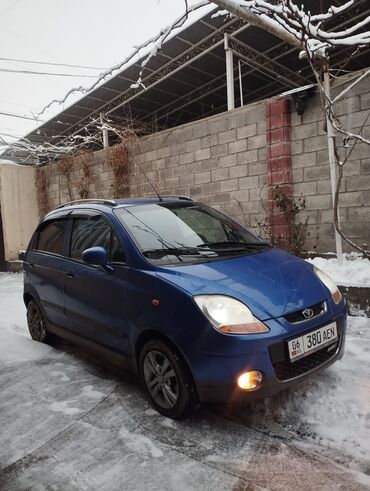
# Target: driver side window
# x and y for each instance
(95, 232)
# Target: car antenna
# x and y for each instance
(150, 182)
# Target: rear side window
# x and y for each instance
(51, 237)
(95, 232)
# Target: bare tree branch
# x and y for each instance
(337, 193)
(296, 26)
(350, 87)
(156, 43)
(284, 19)
(301, 29)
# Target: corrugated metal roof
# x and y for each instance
(186, 81)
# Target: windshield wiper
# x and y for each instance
(227, 246)
(234, 245)
(176, 251)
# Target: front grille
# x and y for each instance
(286, 370)
(298, 316)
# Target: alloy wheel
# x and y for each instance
(36, 323)
(160, 379)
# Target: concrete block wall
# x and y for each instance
(223, 161)
(219, 161)
(100, 183)
(310, 168)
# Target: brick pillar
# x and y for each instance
(279, 163)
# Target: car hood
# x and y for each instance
(272, 283)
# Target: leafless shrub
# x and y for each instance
(83, 183)
(41, 182)
(118, 160)
(294, 234)
(65, 167)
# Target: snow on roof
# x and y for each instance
(186, 80)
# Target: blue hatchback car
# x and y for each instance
(202, 308)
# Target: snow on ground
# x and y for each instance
(330, 412)
(334, 406)
(354, 271)
(340, 415)
(70, 422)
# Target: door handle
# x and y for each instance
(70, 275)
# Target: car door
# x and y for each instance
(45, 268)
(95, 297)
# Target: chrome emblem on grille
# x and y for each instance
(307, 313)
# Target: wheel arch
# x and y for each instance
(150, 334)
(30, 293)
(27, 297)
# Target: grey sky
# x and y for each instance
(81, 32)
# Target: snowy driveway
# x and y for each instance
(67, 422)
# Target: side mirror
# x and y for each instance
(96, 256)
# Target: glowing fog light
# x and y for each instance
(250, 380)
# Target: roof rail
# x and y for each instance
(110, 202)
(168, 196)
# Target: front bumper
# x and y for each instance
(271, 358)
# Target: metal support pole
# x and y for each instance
(229, 75)
(105, 133)
(240, 84)
(332, 161)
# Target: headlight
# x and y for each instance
(330, 285)
(228, 315)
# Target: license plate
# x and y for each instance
(313, 341)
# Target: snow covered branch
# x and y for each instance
(298, 27)
(283, 19)
(313, 35)
(155, 43)
(90, 139)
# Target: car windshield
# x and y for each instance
(186, 232)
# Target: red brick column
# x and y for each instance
(279, 164)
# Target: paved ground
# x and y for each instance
(68, 422)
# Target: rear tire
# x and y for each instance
(36, 323)
(167, 380)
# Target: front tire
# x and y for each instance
(167, 380)
(36, 323)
